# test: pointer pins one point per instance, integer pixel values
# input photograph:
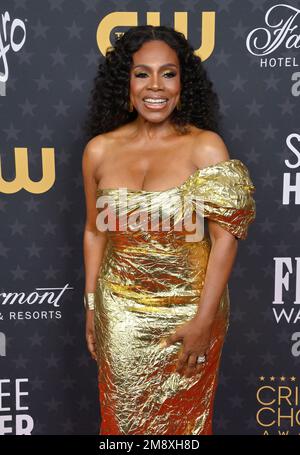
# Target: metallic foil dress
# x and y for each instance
(149, 282)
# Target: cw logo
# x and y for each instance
(22, 179)
(130, 19)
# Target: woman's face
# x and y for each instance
(155, 81)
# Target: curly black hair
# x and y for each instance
(109, 97)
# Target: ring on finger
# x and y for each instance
(201, 359)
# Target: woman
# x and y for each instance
(157, 302)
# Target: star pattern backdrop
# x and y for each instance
(43, 104)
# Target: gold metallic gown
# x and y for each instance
(150, 282)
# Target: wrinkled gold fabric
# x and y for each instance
(150, 282)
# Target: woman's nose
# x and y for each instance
(154, 81)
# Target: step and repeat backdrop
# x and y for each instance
(49, 53)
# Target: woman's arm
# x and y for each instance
(94, 241)
(220, 263)
(196, 333)
(94, 244)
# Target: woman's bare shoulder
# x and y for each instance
(100, 151)
(103, 141)
(209, 149)
(96, 148)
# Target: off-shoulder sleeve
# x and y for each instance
(225, 193)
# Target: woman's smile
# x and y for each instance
(155, 103)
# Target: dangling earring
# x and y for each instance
(178, 105)
(130, 108)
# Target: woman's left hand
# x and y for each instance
(195, 335)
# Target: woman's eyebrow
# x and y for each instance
(149, 67)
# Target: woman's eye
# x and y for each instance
(140, 74)
(171, 73)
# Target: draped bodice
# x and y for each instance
(161, 238)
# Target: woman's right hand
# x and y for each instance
(90, 333)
